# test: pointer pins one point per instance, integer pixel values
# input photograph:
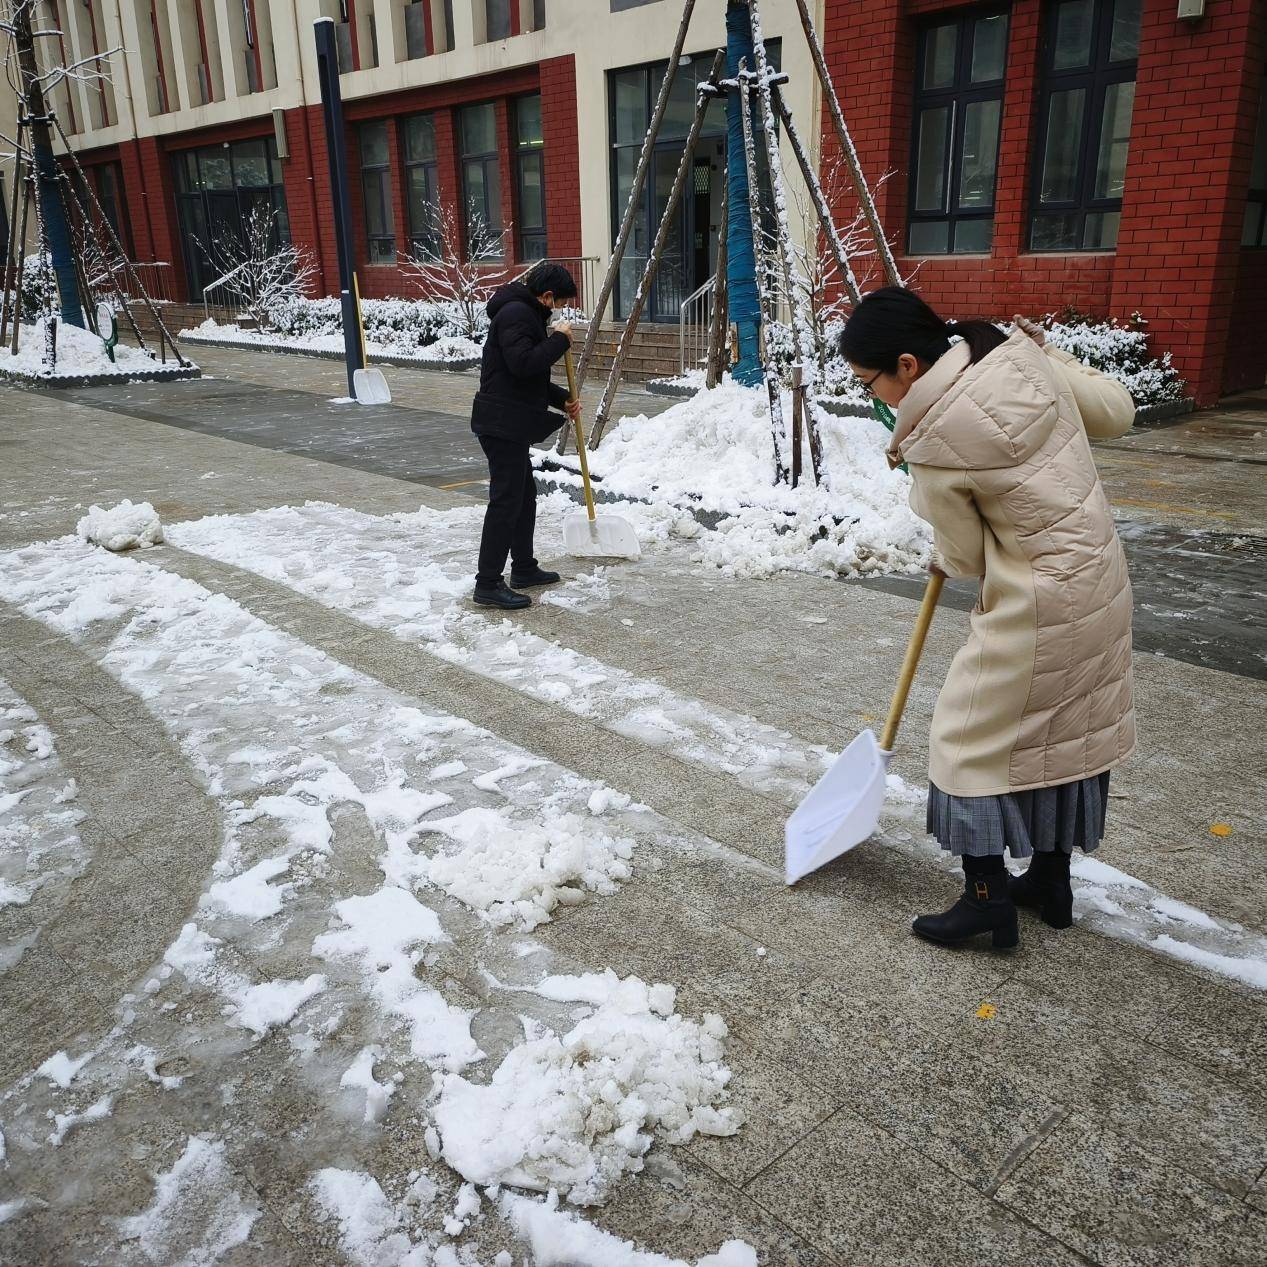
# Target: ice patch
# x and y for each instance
(575, 1113)
(360, 1077)
(122, 527)
(370, 1232)
(64, 1123)
(272, 1003)
(60, 1069)
(198, 1213)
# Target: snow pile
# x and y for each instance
(79, 352)
(575, 1113)
(198, 1213)
(715, 453)
(122, 527)
(519, 872)
(560, 1239)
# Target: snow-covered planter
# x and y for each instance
(81, 360)
(397, 328)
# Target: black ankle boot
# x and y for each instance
(984, 908)
(538, 576)
(1045, 887)
(499, 596)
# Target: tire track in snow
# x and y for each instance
(408, 574)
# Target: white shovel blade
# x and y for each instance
(371, 387)
(603, 537)
(841, 810)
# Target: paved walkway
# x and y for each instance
(1084, 1101)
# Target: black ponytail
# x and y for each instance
(894, 321)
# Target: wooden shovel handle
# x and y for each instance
(914, 648)
(573, 395)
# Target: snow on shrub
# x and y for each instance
(1118, 349)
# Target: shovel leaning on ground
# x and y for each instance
(586, 533)
(369, 384)
(843, 808)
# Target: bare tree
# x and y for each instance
(461, 276)
(259, 272)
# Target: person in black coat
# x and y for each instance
(512, 412)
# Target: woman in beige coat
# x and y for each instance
(1037, 708)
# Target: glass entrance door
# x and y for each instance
(672, 280)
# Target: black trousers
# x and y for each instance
(511, 517)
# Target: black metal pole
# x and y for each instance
(336, 149)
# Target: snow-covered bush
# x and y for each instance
(1118, 349)
(39, 288)
(402, 325)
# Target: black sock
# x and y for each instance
(985, 864)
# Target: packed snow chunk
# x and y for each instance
(262, 1007)
(360, 1077)
(575, 1113)
(60, 1069)
(558, 1238)
(250, 896)
(370, 1232)
(198, 1214)
(122, 527)
(513, 871)
(383, 936)
(467, 1207)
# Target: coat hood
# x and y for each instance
(994, 414)
(513, 292)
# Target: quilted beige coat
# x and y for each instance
(1002, 469)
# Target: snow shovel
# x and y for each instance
(369, 385)
(587, 534)
(843, 808)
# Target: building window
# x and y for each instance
(538, 15)
(497, 19)
(1089, 56)
(481, 182)
(376, 187)
(1255, 230)
(955, 138)
(428, 27)
(422, 186)
(530, 173)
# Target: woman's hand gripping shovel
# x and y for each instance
(587, 534)
(843, 808)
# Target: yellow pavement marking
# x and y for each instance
(461, 484)
(1180, 510)
(1220, 829)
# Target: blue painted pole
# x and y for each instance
(336, 150)
(741, 262)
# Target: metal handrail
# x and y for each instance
(693, 319)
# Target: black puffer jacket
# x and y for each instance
(515, 395)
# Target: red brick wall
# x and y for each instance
(562, 156)
(1179, 249)
(1177, 259)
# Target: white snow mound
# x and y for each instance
(122, 527)
(79, 352)
(577, 1112)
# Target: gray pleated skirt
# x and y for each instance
(1065, 817)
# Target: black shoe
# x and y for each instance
(1045, 887)
(538, 576)
(499, 596)
(984, 908)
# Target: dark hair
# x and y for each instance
(893, 321)
(552, 277)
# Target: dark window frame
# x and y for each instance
(533, 243)
(487, 160)
(958, 96)
(424, 240)
(1095, 79)
(380, 247)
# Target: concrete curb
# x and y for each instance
(1165, 414)
(58, 381)
(320, 354)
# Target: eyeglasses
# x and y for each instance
(867, 382)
